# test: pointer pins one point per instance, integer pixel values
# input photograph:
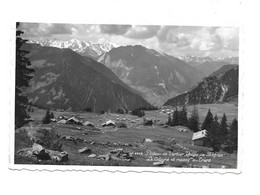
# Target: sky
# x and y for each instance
(173, 40)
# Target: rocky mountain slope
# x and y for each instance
(64, 79)
(221, 86)
(85, 48)
(154, 74)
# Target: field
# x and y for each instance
(136, 145)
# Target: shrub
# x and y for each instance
(120, 111)
(49, 139)
(88, 109)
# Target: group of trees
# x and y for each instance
(47, 118)
(219, 135)
(148, 108)
(181, 118)
(178, 118)
(138, 112)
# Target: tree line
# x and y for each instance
(219, 134)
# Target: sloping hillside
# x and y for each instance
(64, 79)
(221, 86)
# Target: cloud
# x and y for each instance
(183, 42)
(168, 34)
(142, 32)
(230, 37)
(114, 29)
(45, 29)
(174, 40)
(205, 39)
(60, 29)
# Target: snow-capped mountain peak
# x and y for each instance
(86, 48)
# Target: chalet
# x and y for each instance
(73, 120)
(109, 123)
(89, 124)
(147, 121)
(198, 138)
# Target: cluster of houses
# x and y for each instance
(167, 111)
(198, 138)
(74, 120)
(79, 121)
(182, 129)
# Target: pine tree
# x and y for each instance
(193, 122)
(215, 126)
(175, 117)
(51, 115)
(47, 118)
(141, 113)
(23, 76)
(213, 139)
(223, 128)
(183, 119)
(207, 124)
(234, 134)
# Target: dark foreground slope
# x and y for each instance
(221, 86)
(64, 79)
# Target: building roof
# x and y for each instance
(62, 121)
(199, 134)
(109, 122)
(87, 123)
(73, 119)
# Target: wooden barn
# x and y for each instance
(198, 138)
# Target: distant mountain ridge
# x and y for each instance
(208, 65)
(85, 48)
(66, 80)
(221, 86)
(154, 74)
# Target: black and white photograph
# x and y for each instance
(126, 95)
(129, 97)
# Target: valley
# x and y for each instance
(104, 104)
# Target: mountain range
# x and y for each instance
(208, 65)
(221, 86)
(85, 48)
(157, 76)
(66, 80)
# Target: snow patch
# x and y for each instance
(157, 71)
(59, 95)
(163, 86)
(224, 91)
(180, 77)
